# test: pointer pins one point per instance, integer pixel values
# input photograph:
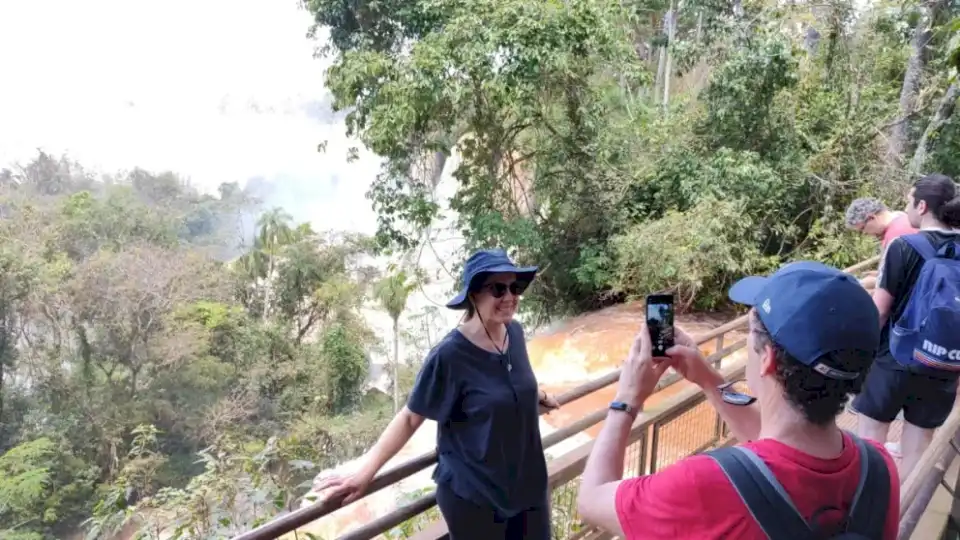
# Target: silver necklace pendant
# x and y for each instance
(509, 367)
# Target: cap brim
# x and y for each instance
(747, 290)
(524, 273)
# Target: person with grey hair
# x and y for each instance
(870, 216)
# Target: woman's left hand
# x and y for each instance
(548, 401)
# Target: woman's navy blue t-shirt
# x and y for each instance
(488, 430)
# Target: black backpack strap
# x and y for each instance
(872, 498)
(762, 494)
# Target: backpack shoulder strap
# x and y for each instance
(921, 244)
(872, 498)
(763, 495)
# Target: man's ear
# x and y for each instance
(768, 361)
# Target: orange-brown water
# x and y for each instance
(588, 346)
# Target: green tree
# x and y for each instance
(565, 146)
(127, 348)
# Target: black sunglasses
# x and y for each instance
(497, 290)
(731, 395)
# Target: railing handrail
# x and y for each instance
(917, 489)
(293, 520)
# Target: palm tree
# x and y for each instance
(392, 292)
(275, 232)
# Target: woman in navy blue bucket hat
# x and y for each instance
(477, 384)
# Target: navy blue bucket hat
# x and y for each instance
(488, 261)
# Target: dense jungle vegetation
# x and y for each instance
(152, 374)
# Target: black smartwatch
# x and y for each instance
(623, 407)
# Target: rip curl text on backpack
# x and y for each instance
(925, 335)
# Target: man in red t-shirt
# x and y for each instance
(813, 333)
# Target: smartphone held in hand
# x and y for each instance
(660, 322)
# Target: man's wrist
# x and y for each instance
(711, 380)
(623, 411)
(633, 400)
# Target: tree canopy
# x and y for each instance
(138, 334)
(588, 131)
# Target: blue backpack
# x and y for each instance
(926, 334)
(776, 514)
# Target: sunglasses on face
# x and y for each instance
(497, 290)
(730, 394)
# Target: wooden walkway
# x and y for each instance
(848, 421)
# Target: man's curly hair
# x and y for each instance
(820, 399)
(861, 209)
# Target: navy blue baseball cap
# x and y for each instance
(811, 309)
(488, 261)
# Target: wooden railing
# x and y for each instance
(682, 425)
(928, 474)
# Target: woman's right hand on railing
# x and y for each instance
(350, 488)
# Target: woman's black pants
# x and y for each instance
(467, 520)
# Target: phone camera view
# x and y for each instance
(660, 324)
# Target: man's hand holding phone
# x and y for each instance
(685, 357)
(641, 371)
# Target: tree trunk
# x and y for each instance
(266, 288)
(661, 62)
(699, 27)
(671, 20)
(940, 117)
(1, 392)
(899, 134)
(396, 365)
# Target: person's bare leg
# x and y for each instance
(913, 443)
(868, 428)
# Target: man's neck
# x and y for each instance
(886, 218)
(930, 223)
(786, 425)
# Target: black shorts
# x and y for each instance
(926, 400)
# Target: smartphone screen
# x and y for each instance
(660, 322)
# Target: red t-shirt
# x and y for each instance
(899, 226)
(693, 498)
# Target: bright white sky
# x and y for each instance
(216, 90)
